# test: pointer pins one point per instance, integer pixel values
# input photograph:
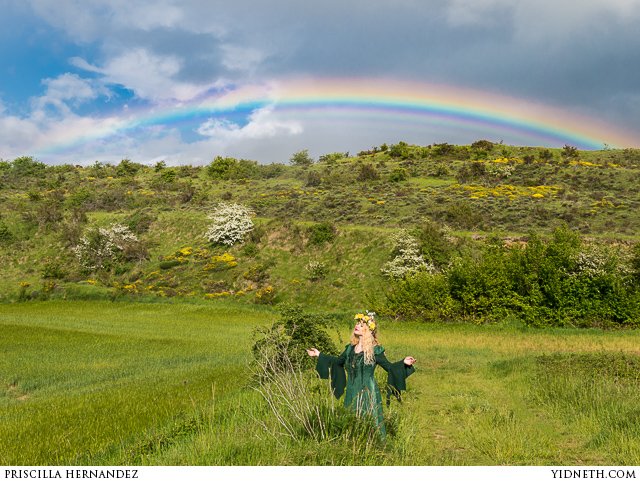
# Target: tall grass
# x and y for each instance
(114, 383)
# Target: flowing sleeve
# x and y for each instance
(333, 367)
(398, 372)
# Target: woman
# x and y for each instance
(360, 358)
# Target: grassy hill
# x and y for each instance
(469, 193)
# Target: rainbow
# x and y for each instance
(396, 102)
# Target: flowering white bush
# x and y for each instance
(500, 170)
(597, 261)
(101, 247)
(408, 259)
(231, 222)
(316, 270)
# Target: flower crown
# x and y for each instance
(368, 319)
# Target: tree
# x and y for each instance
(301, 158)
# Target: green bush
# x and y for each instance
(560, 282)
(322, 233)
(6, 237)
(291, 336)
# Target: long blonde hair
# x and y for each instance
(369, 341)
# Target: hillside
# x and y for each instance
(323, 230)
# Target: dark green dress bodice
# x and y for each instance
(349, 372)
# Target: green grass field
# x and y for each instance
(94, 382)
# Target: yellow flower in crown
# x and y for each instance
(368, 319)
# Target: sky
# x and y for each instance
(183, 81)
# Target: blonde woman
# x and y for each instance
(359, 359)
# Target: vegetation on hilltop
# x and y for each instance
(323, 231)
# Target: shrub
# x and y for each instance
(400, 150)
(127, 168)
(560, 282)
(301, 158)
(398, 175)
(231, 222)
(483, 145)
(53, 269)
(301, 330)
(140, 221)
(313, 179)
(316, 270)
(322, 233)
(367, 173)
(257, 273)
(545, 154)
(332, 158)
(265, 295)
(104, 248)
(436, 243)
(407, 259)
(6, 237)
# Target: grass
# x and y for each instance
(98, 382)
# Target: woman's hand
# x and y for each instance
(313, 352)
(409, 361)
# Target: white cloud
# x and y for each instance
(90, 20)
(67, 89)
(150, 76)
(262, 124)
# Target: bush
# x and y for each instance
(301, 158)
(367, 173)
(105, 248)
(301, 331)
(231, 222)
(265, 295)
(398, 175)
(313, 179)
(140, 221)
(316, 270)
(322, 233)
(6, 237)
(560, 282)
(406, 258)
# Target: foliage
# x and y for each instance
(301, 158)
(316, 270)
(407, 259)
(127, 168)
(333, 157)
(398, 175)
(367, 172)
(556, 283)
(27, 167)
(103, 248)
(321, 233)
(230, 224)
(6, 237)
(226, 168)
(286, 341)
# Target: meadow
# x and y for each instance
(99, 382)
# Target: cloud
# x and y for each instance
(149, 76)
(580, 56)
(261, 124)
(67, 90)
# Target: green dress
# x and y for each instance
(362, 391)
